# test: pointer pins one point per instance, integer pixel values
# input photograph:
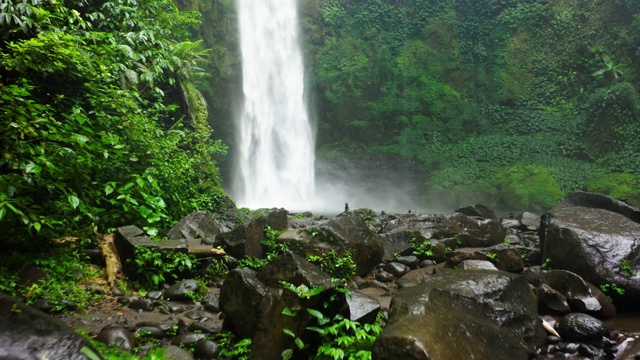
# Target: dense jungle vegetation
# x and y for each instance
(105, 122)
(520, 100)
(102, 120)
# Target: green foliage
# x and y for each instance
(545, 264)
(627, 268)
(232, 349)
(103, 124)
(65, 286)
(469, 89)
(341, 338)
(338, 266)
(529, 187)
(618, 186)
(423, 247)
(155, 266)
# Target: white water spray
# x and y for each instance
(276, 157)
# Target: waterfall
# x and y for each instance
(275, 138)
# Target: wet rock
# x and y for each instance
(128, 238)
(471, 314)
(187, 340)
(115, 335)
(173, 352)
(154, 295)
(477, 265)
(245, 240)
(345, 234)
(529, 221)
(199, 224)
(26, 333)
(211, 302)
(149, 330)
(477, 210)
(468, 231)
(384, 276)
(142, 304)
(181, 289)
(577, 292)
(396, 269)
(409, 260)
(396, 242)
(252, 302)
(362, 308)
(206, 349)
(583, 235)
(551, 301)
(581, 328)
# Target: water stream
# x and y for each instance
(276, 141)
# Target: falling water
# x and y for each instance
(276, 164)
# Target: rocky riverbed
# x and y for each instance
(520, 287)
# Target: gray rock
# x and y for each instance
(116, 335)
(469, 231)
(581, 327)
(477, 210)
(199, 224)
(396, 269)
(396, 242)
(550, 300)
(409, 260)
(149, 330)
(187, 340)
(529, 221)
(245, 240)
(128, 238)
(173, 352)
(206, 349)
(142, 304)
(26, 333)
(211, 302)
(477, 265)
(179, 290)
(597, 238)
(345, 234)
(576, 291)
(252, 303)
(384, 276)
(470, 314)
(362, 308)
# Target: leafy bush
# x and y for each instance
(528, 187)
(155, 265)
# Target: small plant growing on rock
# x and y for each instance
(421, 248)
(342, 267)
(545, 264)
(611, 287)
(627, 268)
(341, 338)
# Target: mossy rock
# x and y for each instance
(617, 186)
(528, 187)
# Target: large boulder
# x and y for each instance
(579, 295)
(246, 240)
(129, 238)
(469, 231)
(253, 303)
(26, 333)
(597, 238)
(347, 233)
(455, 314)
(200, 224)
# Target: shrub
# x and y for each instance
(617, 185)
